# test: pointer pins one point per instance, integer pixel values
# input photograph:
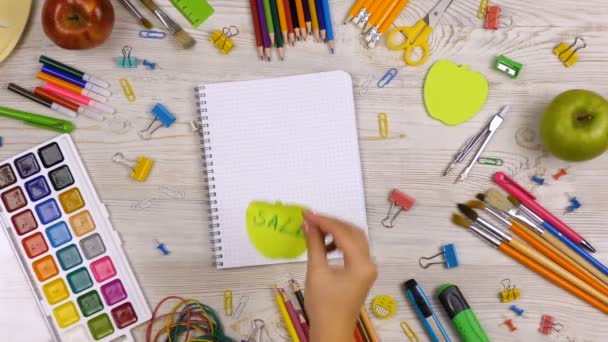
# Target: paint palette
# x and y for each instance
(67, 247)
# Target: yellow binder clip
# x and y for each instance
(568, 53)
(510, 292)
(222, 40)
(140, 169)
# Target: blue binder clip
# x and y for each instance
(387, 78)
(126, 61)
(450, 258)
(162, 117)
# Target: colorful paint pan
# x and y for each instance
(67, 246)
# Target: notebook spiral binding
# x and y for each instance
(214, 229)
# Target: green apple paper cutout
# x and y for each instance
(453, 94)
(275, 230)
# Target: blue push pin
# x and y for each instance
(517, 310)
(538, 180)
(164, 118)
(575, 204)
(161, 247)
(149, 64)
(450, 258)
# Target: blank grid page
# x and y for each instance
(291, 139)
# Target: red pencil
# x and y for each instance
(258, 31)
(294, 317)
(292, 35)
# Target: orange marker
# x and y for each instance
(71, 87)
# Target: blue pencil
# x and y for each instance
(321, 19)
(329, 26)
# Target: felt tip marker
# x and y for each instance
(461, 314)
(49, 104)
(71, 87)
(79, 98)
(68, 104)
(75, 80)
(87, 77)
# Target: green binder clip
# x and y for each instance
(508, 67)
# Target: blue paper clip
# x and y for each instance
(387, 78)
(164, 118)
(151, 34)
(449, 255)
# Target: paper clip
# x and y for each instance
(538, 180)
(161, 247)
(221, 39)
(164, 118)
(490, 161)
(403, 201)
(560, 174)
(450, 258)
(228, 303)
(126, 61)
(388, 77)
(143, 204)
(509, 293)
(567, 53)
(240, 307)
(141, 168)
(409, 332)
(508, 67)
(180, 195)
(509, 323)
(517, 310)
(383, 125)
(151, 34)
(548, 325)
(127, 89)
(492, 17)
(365, 84)
(483, 9)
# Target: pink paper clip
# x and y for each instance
(548, 325)
(401, 200)
(492, 18)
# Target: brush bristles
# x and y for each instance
(498, 200)
(476, 205)
(460, 221)
(481, 197)
(185, 39)
(468, 212)
(150, 5)
(146, 23)
(514, 201)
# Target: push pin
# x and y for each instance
(509, 323)
(561, 173)
(509, 293)
(164, 118)
(508, 67)
(126, 61)
(149, 64)
(141, 168)
(161, 247)
(492, 17)
(548, 325)
(222, 40)
(568, 53)
(450, 258)
(403, 201)
(538, 180)
(574, 204)
(517, 310)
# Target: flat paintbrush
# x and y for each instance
(177, 31)
(135, 12)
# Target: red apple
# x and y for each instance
(78, 24)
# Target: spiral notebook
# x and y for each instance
(291, 139)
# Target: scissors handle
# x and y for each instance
(417, 37)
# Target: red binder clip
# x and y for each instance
(492, 18)
(548, 325)
(403, 201)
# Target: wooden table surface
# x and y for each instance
(412, 163)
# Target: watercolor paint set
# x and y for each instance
(69, 251)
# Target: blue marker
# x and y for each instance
(62, 75)
(425, 312)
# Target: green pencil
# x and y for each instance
(278, 34)
(269, 21)
(38, 120)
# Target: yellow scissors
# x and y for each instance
(417, 36)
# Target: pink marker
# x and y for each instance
(78, 98)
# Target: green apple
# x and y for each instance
(574, 126)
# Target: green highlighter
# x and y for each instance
(461, 314)
(37, 120)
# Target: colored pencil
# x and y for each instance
(354, 11)
(269, 21)
(282, 19)
(290, 28)
(299, 296)
(42, 101)
(301, 18)
(256, 27)
(368, 325)
(283, 310)
(277, 34)
(307, 16)
(314, 19)
(294, 317)
(358, 337)
(362, 330)
(87, 77)
(304, 324)
(329, 26)
(68, 104)
(295, 19)
(264, 29)
(321, 19)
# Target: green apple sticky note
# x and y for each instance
(275, 230)
(453, 94)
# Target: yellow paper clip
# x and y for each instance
(483, 9)
(409, 332)
(222, 40)
(383, 125)
(127, 89)
(228, 303)
(140, 169)
(568, 53)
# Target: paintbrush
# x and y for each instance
(182, 37)
(533, 254)
(528, 262)
(135, 12)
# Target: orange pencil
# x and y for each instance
(314, 19)
(373, 9)
(301, 19)
(368, 325)
(354, 11)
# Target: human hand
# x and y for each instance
(334, 295)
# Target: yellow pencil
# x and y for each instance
(283, 19)
(314, 19)
(371, 10)
(381, 14)
(357, 7)
(290, 328)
